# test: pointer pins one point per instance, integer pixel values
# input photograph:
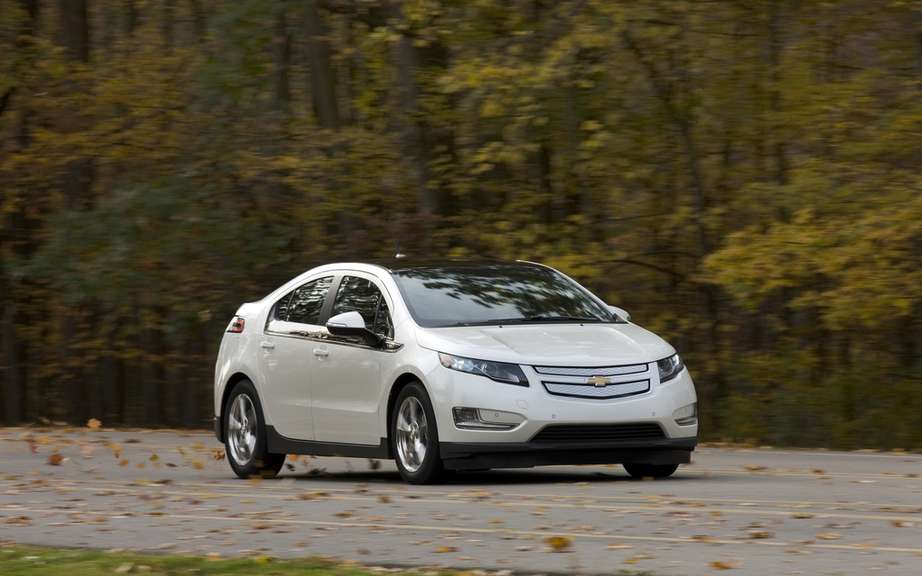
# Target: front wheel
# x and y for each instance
(415, 436)
(245, 435)
(650, 470)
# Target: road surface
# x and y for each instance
(733, 511)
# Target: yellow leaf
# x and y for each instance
(558, 543)
(93, 424)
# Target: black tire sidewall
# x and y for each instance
(640, 471)
(431, 469)
(262, 463)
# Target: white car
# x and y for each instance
(448, 366)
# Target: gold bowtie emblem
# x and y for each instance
(598, 381)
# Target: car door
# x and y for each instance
(289, 339)
(347, 386)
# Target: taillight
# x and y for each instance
(236, 325)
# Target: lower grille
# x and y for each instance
(599, 432)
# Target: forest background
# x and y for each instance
(743, 176)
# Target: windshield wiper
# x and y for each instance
(554, 318)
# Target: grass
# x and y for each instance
(41, 561)
(18, 560)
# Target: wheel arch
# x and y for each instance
(228, 388)
(399, 384)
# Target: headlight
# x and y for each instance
(499, 371)
(670, 367)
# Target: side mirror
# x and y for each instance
(620, 313)
(351, 325)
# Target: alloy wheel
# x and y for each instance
(412, 434)
(241, 428)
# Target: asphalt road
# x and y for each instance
(749, 511)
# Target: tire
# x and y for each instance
(248, 456)
(650, 470)
(413, 432)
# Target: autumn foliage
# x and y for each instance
(744, 177)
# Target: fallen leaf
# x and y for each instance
(724, 564)
(828, 535)
(801, 515)
(637, 558)
(384, 499)
(558, 543)
(218, 454)
(93, 424)
(760, 534)
(312, 495)
(754, 467)
(445, 549)
(55, 459)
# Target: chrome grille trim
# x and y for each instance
(613, 390)
(592, 371)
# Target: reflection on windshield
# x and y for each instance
(490, 294)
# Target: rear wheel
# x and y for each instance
(245, 435)
(650, 470)
(415, 436)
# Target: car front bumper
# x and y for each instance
(464, 448)
(461, 456)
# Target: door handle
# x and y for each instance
(321, 353)
(266, 345)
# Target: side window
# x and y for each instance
(383, 324)
(280, 310)
(305, 302)
(362, 296)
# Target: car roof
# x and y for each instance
(398, 264)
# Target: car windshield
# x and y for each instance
(469, 295)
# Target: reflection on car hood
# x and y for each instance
(550, 344)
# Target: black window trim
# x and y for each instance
(334, 290)
(391, 345)
(326, 298)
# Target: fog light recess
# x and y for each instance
(485, 419)
(686, 415)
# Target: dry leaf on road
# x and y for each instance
(558, 543)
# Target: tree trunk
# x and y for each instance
(168, 25)
(282, 43)
(322, 78)
(410, 128)
(74, 31)
(15, 373)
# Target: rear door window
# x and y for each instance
(305, 303)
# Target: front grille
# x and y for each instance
(563, 433)
(596, 382)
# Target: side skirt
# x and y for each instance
(278, 444)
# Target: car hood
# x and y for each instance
(550, 344)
